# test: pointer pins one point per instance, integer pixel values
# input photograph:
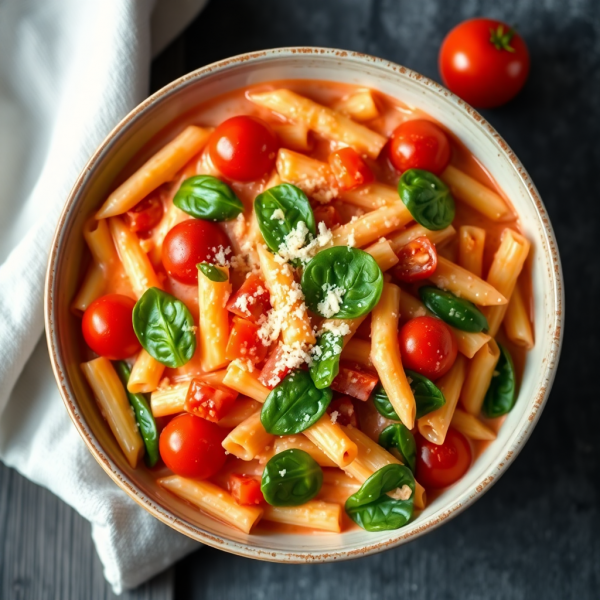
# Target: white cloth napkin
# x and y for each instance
(69, 71)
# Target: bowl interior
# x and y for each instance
(143, 132)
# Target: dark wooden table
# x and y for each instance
(537, 533)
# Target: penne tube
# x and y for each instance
(92, 287)
(385, 354)
(293, 135)
(136, 263)
(358, 351)
(213, 323)
(371, 196)
(505, 270)
(301, 442)
(400, 239)
(359, 105)
(336, 483)
(434, 426)
(287, 299)
(214, 377)
(479, 376)
(162, 167)
(214, 501)
(241, 410)
(476, 195)
(272, 182)
(145, 374)
(248, 439)
(243, 382)
(315, 514)
(169, 400)
(173, 216)
(516, 321)
(328, 123)
(449, 276)
(100, 242)
(383, 254)
(114, 406)
(332, 440)
(471, 243)
(471, 426)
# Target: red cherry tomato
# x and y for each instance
(145, 214)
(108, 329)
(443, 465)
(243, 148)
(209, 402)
(354, 382)
(189, 243)
(427, 346)
(252, 300)
(484, 61)
(191, 446)
(244, 343)
(419, 144)
(245, 489)
(418, 260)
(349, 169)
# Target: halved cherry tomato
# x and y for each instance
(245, 489)
(349, 168)
(189, 243)
(191, 446)
(354, 382)
(327, 215)
(443, 465)
(243, 148)
(484, 61)
(418, 260)
(107, 327)
(252, 300)
(145, 214)
(275, 369)
(419, 144)
(343, 408)
(427, 346)
(244, 342)
(207, 401)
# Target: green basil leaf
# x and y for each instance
(502, 393)
(165, 328)
(400, 437)
(342, 283)
(291, 478)
(143, 416)
(326, 359)
(373, 510)
(455, 311)
(206, 197)
(294, 405)
(279, 210)
(427, 198)
(428, 397)
(212, 272)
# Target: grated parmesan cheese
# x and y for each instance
(294, 246)
(331, 304)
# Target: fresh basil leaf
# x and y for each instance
(291, 478)
(326, 359)
(373, 510)
(279, 210)
(400, 437)
(212, 272)
(342, 283)
(455, 311)
(427, 198)
(165, 328)
(143, 415)
(502, 393)
(294, 405)
(206, 197)
(382, 403)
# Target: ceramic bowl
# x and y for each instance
(135, 138)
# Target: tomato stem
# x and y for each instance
(500, 39)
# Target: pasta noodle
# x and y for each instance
(383, 254)
(100, 243)
(248, 439)
(315, 514)
(294, 135)
(477, 382)
(471, 243)
(332, 440)
(359, 105)
(301, 442)
(239, 379)
(400, 239)
(471, 426)
(145, 374)
(169, 400)
(358, 351)
(242, 409)
(516, 322)
(91, 288)
(372, 196)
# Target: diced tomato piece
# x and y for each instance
(207, 401)
(349, 168)
(328, 215)
(355, 383)
(418, 260)
(146, 214)
(344, 407)
(244, 342)
(272, 374)
(245, 489)
(252, 300)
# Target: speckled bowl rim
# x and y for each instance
(545, 378)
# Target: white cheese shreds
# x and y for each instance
(291, 357)
(278, 215)
(331, 304)
(351, 239)
(282, 472)
(221, 255)
(334, 416)
(295, 246)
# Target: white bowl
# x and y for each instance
(134, 136)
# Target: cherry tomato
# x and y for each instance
(191, 446)
(484, 61)
(349, 169)
(108, 329)
(427, 346)
(328, 215)
(252, 300)
(207, 401)
(443, 465)
(354, 382)
(145, 214)
(419, 144)
(189, 243)
(244, 343)
(275, 369)
(245, 489)
(243, 148)
(418, 260)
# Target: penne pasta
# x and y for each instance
(358, 351)
(91, 288)
(248, 439)
(400, 239)
(516, 321)
(315, 514)
(301, 442)
(372, 196)
(242, 409)
(145, 374)
(471, 243)
(100, 242)
(331, 439)
(359, 105)
(169, 400)
(293, 135)
(383, 254)
(239, 379)
(471, 426)
(173, 216)
(479, 376)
